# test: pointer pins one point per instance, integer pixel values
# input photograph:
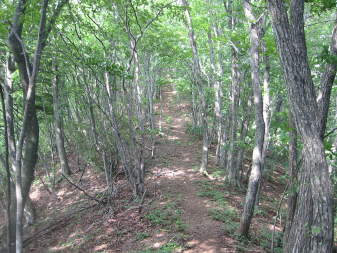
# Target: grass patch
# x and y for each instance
(212, 191)
(168, 215)
(168, 247)
(224, 215)
(264, 240)
(229, 216)
(141, 236)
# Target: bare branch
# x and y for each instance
(137, 21)
(79, 188)
(332, 131)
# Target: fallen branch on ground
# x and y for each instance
(79, 188)
(54, 225)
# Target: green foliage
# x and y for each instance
(193, 130)
(213, 192)
(44, 103)
(225, 215)
(326, 56)
(157, 217)
(167, 216)
(264, 239)
(168, 247)
(319, 6)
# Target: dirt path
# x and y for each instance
(182, 154)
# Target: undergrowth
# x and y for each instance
(168, 247)
(222, 209)
(167, 215)
(193, 130)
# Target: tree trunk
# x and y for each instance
(58, 126)
(232, 174)
(313, 223)
(256, 172)
(28, 138)
(266, 113)
(8, 101)
(29, 211)
(244, 132)
(225, 137)
(151, 112)
(139, 171)
(293, 172)
(117, 134)
(196, 62)
(216, 80)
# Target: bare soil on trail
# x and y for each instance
(183, 153)
(71, 222)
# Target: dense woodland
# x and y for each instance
(102, 89)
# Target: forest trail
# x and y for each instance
(182, 154)
(172, 178)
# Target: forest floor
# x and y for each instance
(183, 211)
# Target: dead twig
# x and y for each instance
(79, 188)
(333, 130)
(54, 225)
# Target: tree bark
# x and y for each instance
(150, 94)
(327, 80)
(139, 171)
(8, 102)
(58, 126)
(215, 78)
(293, 172)
(196, 62)
(256, 172)
(244, 132)
(27, 141)
(313, 223)
(232, 174)
(266, 112)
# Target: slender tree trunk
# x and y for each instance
(58, 126)
(219, 94)
(133, 143)
(293, 171)
(194, 106)
(266, 114)
(9, 68)
(161, 107)
(217, 104)
(226, 132)
(232, 174)
(196, 62)
(215, 79)
(150, 98)
(117, 134)
(140, 172)
(256, 172)
(243, 135)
